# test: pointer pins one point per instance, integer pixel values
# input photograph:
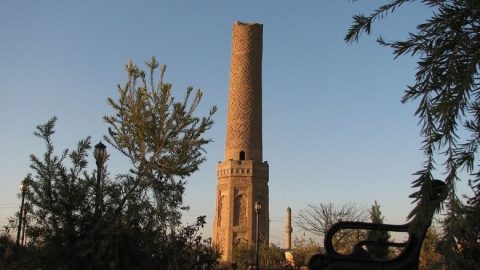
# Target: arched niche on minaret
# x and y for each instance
(222, 213)
(240, 210)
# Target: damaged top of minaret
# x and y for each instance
(247, 23)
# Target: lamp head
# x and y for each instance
(23, 186)
(258, 206)
(100, 152)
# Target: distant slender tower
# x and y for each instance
(288, 230)
(243, 176)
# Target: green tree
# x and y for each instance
(451, 227)
(6, 250)
(378, 252)
(270, 256)
(469, 235)
(184, 248)
(243, 254)
(133, 221)
(303, 249)
(446, 86)
(161, 138)
(59, 197)
(430, 257)
(465, 250)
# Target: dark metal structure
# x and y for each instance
(359, 259)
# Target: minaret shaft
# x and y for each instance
(243, 175)
(244, 122)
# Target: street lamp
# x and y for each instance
(23, 189)
(100, 154)
(258, 207)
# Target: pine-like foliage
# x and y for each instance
(133, 220)
(461, 234)
(469, 234)
(447, 89)
(430, 256)
(59, 218)
(162, 139)
(378, 252)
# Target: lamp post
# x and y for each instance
(100, 154)
(258, 207)
(23, 189)
(25, 210)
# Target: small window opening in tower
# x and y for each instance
(242, 155)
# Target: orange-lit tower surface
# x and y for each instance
(243, 175)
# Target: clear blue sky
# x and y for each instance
(334, 127)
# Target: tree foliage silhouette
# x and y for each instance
(447, 89)
(136, 222)
(378, 252)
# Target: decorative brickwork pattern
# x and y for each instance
(244, 122)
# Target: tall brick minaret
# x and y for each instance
(243, 175)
